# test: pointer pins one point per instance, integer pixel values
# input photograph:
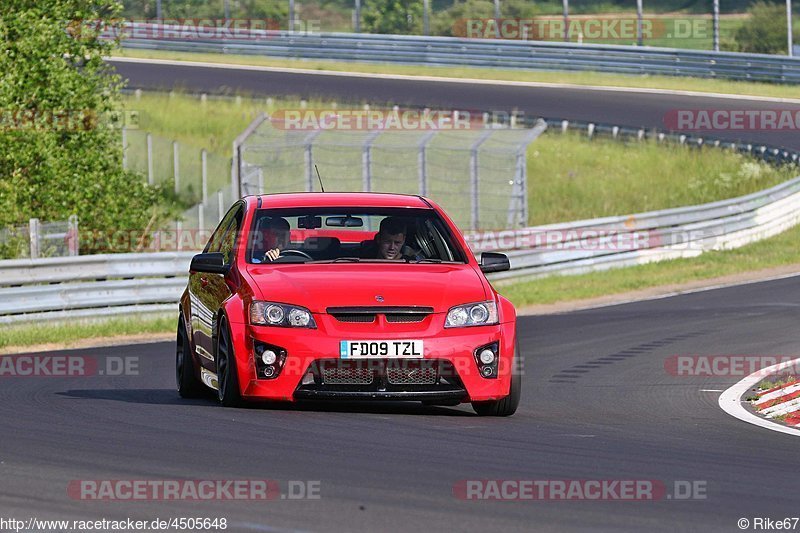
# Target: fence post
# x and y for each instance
(201, 218)
(473, 180)
(124, 149)
(176, 176)
(422, 163)
(73, 237)
(220, 206)
(149, 138)
(308, 156)
(204, 174)
(33, 233)
(366, 161)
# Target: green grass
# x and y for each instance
(776, 251)
(571, 177)
(65, 332)
(577, 78)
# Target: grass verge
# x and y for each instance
(64, 333)
(776, 251)
(576, 78)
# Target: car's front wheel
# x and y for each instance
(506, 406)
(227, 377)
(188, 384)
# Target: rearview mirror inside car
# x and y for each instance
(344, 222)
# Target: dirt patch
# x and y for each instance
(662, 291)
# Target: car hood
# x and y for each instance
(320, 286)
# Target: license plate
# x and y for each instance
(379, 349)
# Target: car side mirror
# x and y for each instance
(213, 263)
(494, 262)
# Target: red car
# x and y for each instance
(346, 296)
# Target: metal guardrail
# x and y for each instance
(142, 283)
(453, 51)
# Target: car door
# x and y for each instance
(207, 291)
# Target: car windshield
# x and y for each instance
(348, 235)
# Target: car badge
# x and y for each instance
(379, 298)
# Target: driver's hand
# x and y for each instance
(272, 255)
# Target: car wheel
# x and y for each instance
(227, 377)
(506, 406)
(188, 384)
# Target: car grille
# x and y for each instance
(353, 317)
(395, 315)
(421, 375)
(347, 376)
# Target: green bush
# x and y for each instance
(764, 32)
(403, 17)
(60, 153)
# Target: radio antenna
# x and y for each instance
(320, 178)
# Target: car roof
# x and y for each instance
(341, 199)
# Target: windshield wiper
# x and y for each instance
(346, 259)
(427, 260)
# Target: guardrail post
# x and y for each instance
(176, 166)
(33, 233)
(149, 138)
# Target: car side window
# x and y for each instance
(215, 242)
(228, 241)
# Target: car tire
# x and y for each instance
(185, 376)
(227, 377)
(506, 406)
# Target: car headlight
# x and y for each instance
(275, 314)
(477, 314)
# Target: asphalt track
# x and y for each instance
(597, 404)
(620, 108)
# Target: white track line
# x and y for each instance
(730, 400)
(444, 79)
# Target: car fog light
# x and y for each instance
(269, 357)
(269, 371)
(486, 371)
(487, 356)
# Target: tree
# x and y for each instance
(60, 150)
(393, 16)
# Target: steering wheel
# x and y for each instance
(295, 252)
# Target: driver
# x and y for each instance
(391, 238)
(276, 237)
